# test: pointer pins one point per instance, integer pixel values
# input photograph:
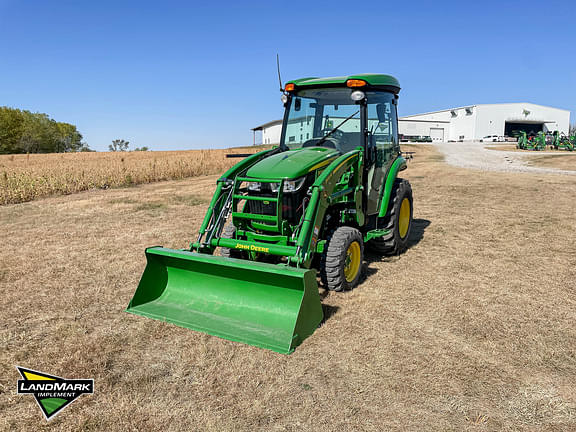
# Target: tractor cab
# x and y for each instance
(343, 113)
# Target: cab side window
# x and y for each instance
(382, 124)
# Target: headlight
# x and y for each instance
(255, 186)
(289, 185)
(293, 185)
(357, 95)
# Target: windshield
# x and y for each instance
(330, 118)
(315, 113)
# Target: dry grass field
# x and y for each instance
(561, 159)
(565, 161)
(27, 177)
(472, 329)
(505, 147)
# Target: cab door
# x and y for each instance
(382, 125)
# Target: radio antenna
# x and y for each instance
(278, 66)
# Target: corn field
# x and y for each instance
(25, 177)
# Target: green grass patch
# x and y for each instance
(122, 201)
(150, 206)
(189, 200)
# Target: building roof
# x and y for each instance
(477, 105)
(436, 112)
(422, 120)
(267, 125)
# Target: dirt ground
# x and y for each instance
(473, 328)
(505, 147)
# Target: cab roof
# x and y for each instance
(379, 81)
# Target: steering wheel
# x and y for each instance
(337, 134)
(328, 142)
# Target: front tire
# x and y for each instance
(398, 221)
(341, 263)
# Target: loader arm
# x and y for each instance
(322, 196)
(215, 215)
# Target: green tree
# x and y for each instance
(118, 145)
(11, 128)
(69, 139)
(39, 134)
(143, 148)
(26, 132)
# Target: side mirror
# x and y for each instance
(297, 104)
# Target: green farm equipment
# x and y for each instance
(286, 217)
(532, 142)
(539, 142)
(560, 141)
(522, 140)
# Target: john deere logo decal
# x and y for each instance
(52, 393)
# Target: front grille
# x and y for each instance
(262, 207)
(291, 207)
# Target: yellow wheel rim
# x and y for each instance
(404, 219)
(353, 261)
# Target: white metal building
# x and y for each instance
(474, 122)
(270, 132)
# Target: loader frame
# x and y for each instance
(297, 243)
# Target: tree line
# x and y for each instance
(120, 145)
(26, 132)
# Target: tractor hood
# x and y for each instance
(292, 164)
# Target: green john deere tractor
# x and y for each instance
(560, 141)
(286, 217)
(532, 142)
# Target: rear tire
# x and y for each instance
(229, 232)
(341, 262)
(398, 221)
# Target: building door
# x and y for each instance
(437, 134)
(513, 128)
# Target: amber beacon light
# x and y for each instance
(353, 83)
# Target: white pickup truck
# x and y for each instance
(493, 138)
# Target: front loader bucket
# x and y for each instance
(265, 305)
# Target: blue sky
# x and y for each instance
(186, 74)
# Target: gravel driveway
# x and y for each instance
(475, 155)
